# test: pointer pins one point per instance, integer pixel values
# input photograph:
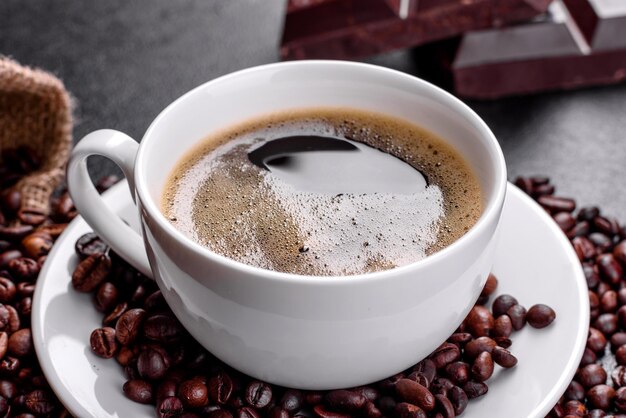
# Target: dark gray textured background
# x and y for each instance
(124, 61)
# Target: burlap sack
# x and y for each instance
(35, 111)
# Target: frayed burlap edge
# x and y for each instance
(35, 111)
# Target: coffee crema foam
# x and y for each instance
(217, 197)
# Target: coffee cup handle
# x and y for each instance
(122, 150)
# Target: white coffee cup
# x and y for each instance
(299, 331)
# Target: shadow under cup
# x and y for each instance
(317, 332)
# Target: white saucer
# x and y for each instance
(534, 262)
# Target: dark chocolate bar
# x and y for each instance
(548, 53)
(351, 29)
(602, 22)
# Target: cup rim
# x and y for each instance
(492, 209)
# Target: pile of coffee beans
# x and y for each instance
(599, 387)
(25, 240)
(166, 368)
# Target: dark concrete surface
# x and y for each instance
(124, 61)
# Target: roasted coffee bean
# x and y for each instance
(139, 391)
(292, 400)
(603, 287)
(517, 313)
(155, 302)
(564, 220)
(54, 230)
(128, 326)
(606, 323)
(152, 363)
(503, 357)
(475, 389)
(461, 338)
(65, 208)
(620, 355)
(407, 410)
(258, 394)
(441, 386)
(25, 289)
(479, 345)
(580, 229)
(620, 399)
(597, 413)
(587, 213)
(458, 399)
(7, 290)
(617, 340)
(387, 405)
(608, 302)
(445, 354)
(170, 407)
(540, 316)
(4, 344)
(13, 322)
(596, 341)
(386, 385)
(458, 372)
(416, 394)
(419, 378)
(220, 388)
(591, 375)
(601, 241)
(40, 402)
(112, 318)
(525, 184)
(490, 285)
(479, 322)
(543, 189)
(37, 244)
(502, 304)
(193, 393)
(427, 368)
(277, 412)
(8, 389)
(605, 225)
(610, 269)
(20, 343)
(91, 272)
(23, 269)
(124, 356)
(482, 368)
(557, 204)
(592, 275)
(106, 297)
(574, 408)
(369, 411)
(15, 233)
(575, 391)
(502, 327)
(9, 366)
(619, 252)
(444, 406)
(368, 392)
(344, 400)
(7, 256)
(247, 412)
(584, 248)
(25, 304)
(601, 396)
(163, 328)
(503, 342)
(220, 413)
(103, 342)
(618, 376)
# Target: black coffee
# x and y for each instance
(323, 192)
